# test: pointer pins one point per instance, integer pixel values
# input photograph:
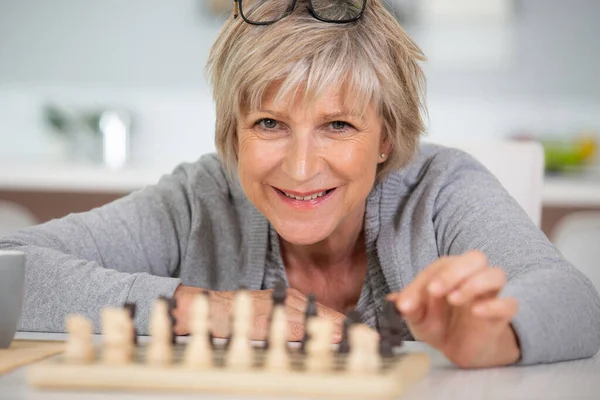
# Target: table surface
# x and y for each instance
(578, 379)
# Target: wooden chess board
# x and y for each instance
(395, 376)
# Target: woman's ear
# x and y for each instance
(385, 148)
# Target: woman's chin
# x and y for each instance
(303, 235)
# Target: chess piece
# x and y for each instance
(386, 349)
(160, 350)
(79, 347)
(364, 357)
(318, 347)
(395, 323)
(277, 355)
(117, 331)
(198, 353)
(132, 308)
(240, 353)
(311, 311)
(352, 317)
(171, 304)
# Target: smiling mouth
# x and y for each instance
(308, 197)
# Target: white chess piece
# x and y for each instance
(79, 347)
(318, 348)
(117, 330)
(239, 355)
(364, 356)
(277, 355)
(198, 353)
(160, 349)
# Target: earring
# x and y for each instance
(382, 155)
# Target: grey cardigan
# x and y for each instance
(196, 227)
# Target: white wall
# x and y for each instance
(149, 56)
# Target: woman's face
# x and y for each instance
(310, 169)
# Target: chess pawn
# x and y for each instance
(198, 353)
(318, 347)
(364, 356)
(277, 355)
(117, 330)
(79, 347)
(160, 350)
(240, 354)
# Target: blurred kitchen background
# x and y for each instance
(101, 97)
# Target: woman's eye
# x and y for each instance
(340, 125)
(267, 123)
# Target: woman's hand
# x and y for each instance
(453, 305)
(221, 304)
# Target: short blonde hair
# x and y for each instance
(373, 59)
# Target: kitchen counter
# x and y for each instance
(85, 178)
(571, 192)
(65, 177)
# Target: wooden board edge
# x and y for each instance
(53, 375)
(38, 351)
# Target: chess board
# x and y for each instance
(395, 376)
(365, 365)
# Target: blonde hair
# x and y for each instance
(373, 59)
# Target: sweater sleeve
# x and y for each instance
(559, 308)
(126, 251)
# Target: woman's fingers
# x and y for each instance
(439, 279)
(262, 325)
(504, 308)
(411, 299)
(485, 283)
(327, 312)
(459, 270)
(296, 327)
(430, 318)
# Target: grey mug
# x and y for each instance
(12, 286)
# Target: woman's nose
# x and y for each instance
(302, 161)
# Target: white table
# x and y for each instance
(569, 380)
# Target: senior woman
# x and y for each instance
(320, 181)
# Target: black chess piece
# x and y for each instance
(279, 295)
(211, 337)
(395, 323)
(132, 308)
(386, 349)
(352, 317)
(172, 304)
(311, 311)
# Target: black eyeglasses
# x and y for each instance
(265, 12)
